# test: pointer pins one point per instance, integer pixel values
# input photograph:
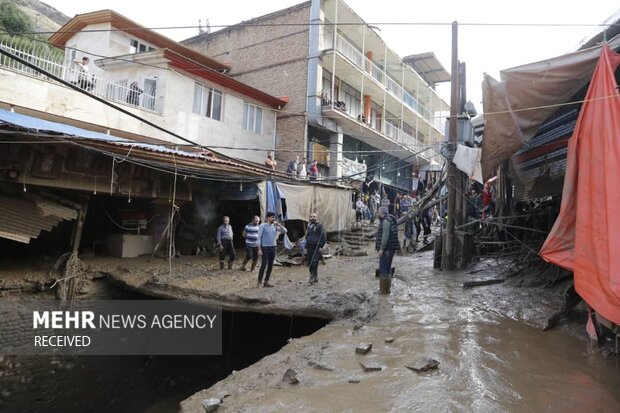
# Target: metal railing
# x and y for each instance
(51, 60)
(353, 54)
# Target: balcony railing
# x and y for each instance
(356, 57)
(51, 60)
(393, 132)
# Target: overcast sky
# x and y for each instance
(483, 48)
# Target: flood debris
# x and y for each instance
(211, 405)
(290, 377)
(371, 366)
(423, 364)
(571, 299)
(478, 283)
(354, 380)
(363, 348)
(319, 366)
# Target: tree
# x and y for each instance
(13, 20)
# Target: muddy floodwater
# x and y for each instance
(493, 355)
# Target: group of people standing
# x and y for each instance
(296, 169)
(261, 241)
(302, 170)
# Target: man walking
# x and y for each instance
(386, 246)
(267, 234)
(315, 240)
(250, 233)
(225, 243)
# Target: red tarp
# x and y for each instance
(586, 236)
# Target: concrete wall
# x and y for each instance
(273, 59)
(177, 91)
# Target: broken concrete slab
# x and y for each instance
(211, 405)
(371, 366)
(290, 377)
(423, 364)
(363, 348)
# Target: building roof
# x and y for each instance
(197, 69)
(121, 22)
(428, 66)
(205, 160)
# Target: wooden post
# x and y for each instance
(448, 245)
(78, 226)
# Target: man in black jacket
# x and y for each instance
(315, 240)
(386, 246)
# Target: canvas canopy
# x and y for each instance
(527, 95)
(333, 205)
(586, 235)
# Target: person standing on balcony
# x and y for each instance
(133, 97)
(270, 162)
(313, 170)
(291, 169)
(83, 81)
(302, 172)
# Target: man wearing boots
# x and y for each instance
(315, 240)
(267, 236)
(250, 233)
(225, 243)
(386, 246)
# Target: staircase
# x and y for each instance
(355, 241)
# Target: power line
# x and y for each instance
(329, 24)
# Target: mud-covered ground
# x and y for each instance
(493, 355)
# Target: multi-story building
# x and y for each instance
(149, 75)
(354, 105)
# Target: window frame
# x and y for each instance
(252, 118)
(206, 106)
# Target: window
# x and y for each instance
(207, 102)
(252, 118)
(136, 46)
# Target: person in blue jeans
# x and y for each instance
(267, 235)
(386, 246)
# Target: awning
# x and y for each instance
(585, 236)
(23, 217)
(527, 95)
(130, 148)
(332, 205)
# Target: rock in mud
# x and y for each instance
(363, 348)
(290, 377)
(389, 339)
(319, 366)
(371, 366)
(211, 405)
(423, 364)
(354, 380)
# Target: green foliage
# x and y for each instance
(13, 20)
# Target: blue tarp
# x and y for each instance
(274, 198)
(41, 125)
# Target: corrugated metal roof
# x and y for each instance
(23, 219)
(40, 125)
(32, 123)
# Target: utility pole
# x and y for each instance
(448, 246)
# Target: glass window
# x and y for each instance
(207, 102)
(252, 118)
